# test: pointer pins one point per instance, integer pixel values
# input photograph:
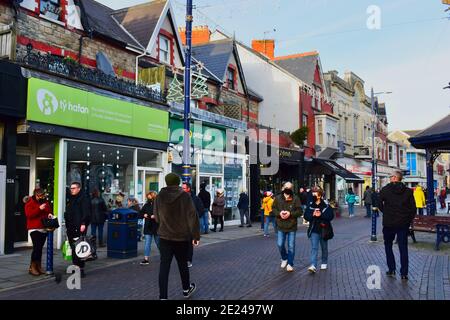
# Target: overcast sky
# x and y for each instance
(409, 55)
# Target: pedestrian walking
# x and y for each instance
(419, 197)
(150, 227)
(287, 209)
(178, 229)
(99, 212)
(376, 202)
(350, 199)
(199, 209)
(399, 208)
(261, 210)
(319, 214)
(77, 217)
(243, 205)
(367, 198)
(269, 215)
(36, 209)
(218, 210)
(442, 198)
(205, 196)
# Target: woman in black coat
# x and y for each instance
(98, 216)
(150, 226)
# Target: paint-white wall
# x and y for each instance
(280, 108)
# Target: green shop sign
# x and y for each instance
(201, 136)
(57, 104)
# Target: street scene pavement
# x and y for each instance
(241, 264)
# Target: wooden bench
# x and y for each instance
(433, 224)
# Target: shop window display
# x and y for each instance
(106, 168)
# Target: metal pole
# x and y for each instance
(49, 253)
(373, 237)
(187, 96)
(431, 201)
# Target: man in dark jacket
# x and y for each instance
(367, 198)
(77, 217)
(205, 196)
(178, 229)
(397, 204)
(198, 204)
(287, 209)
(243, 205)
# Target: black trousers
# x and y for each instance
(71, 235)
(389, 234)
(169, 249)
(216, 220)
(38, 239)
(190, 252)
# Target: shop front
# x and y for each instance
(361, 169)
(107, 142)
(333, 178)
(12, 108)
(211, 164)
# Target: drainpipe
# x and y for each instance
(137, 66)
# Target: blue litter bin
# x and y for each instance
(122, 233)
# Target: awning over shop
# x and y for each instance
(339, 170)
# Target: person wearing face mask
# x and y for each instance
(287, 208)
(37, 208)
(319, 215)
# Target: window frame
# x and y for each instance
(231, 71)
(160, 50)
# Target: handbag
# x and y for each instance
(85, 249)
(326, 230)
(50, 224)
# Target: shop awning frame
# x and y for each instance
(339, 170)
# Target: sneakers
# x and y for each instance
(289, 268)
(187, 293)
(323, 266)
(189, 264)
(266, 235)
(144, 262)
(283, 264)
(390, 274)
(241, 226)
(404, 278)
(312, 269)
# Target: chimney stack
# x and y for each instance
(266, 47)
(200, 35)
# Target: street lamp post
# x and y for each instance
(373, 236)
(187, 95)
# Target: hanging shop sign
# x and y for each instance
(57, 104)
(201, 136)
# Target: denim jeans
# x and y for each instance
(389, 234)
(245, 214)
(94, 227)
(266, 224)
(351, 209)
(368, 210)
(289, 255)
(315, 240)
(204, 221)
(148, 243)
(420, 211)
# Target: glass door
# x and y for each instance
(212, 184)
(147, 181)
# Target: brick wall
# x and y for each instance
(51, 37)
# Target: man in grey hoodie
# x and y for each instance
(178, 229)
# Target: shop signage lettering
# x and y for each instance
(202, 136)
(57, 104)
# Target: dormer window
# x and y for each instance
(164, 49)
(230, 78)
(51, 9)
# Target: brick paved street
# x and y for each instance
(248, 268)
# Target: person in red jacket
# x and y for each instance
(37, 208)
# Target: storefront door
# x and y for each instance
(212, 184)
(148, 180)
(22, 189)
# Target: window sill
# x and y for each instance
(52, 20)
